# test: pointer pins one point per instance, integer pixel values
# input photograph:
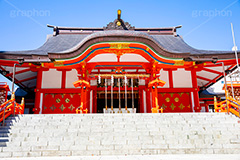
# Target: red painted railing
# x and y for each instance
(229, 105)
(11, 107)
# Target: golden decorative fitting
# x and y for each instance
(155, 110)
(13, 95)
(119, 45)
(119, 12)
(181, 106)
(22, 102)
(118, 23)
(67, 100)
(180, 94)
(179, 63)
(167, 99)
(58, 100)
(62, 107)
(58, 63)
(176, 99)
(172, 106)
(71, 107)
(119, 111)
(52, 107)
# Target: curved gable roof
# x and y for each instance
(62, 44)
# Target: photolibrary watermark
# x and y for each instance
(29, 13)
(211, 13)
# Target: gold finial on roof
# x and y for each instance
(119, 14)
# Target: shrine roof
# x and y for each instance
(63, 43)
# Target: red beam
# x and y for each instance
(213, 71)
(2, 68)
(18, 72)
(27, 79)
(72, 90)
(214, 80)
(203, 78)
(15, 78)
(162, 90)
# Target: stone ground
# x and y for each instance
(141, 157)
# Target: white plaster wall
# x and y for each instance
(164, 76)
(51, 79)
(141, 82)
(71, 76)
(104, 58)
(182, 79)
(93, 82)
(132, 58)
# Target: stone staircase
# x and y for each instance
(119, 134)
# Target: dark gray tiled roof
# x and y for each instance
(176, 44)
(54, 44)
(64, 43)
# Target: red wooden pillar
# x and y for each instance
(63, 85)
(153, 91)
(141, 101)
(197, 107)
(85, 94)
(94, 100)
(206, 106)
(84, 98)
(88, 99)
(170, 78)
(148, 100)
(36, 110)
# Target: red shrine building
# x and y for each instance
(118, 68)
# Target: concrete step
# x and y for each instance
(119, 134)
(137, 157)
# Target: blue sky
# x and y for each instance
(205, 23)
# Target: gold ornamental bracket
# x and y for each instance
(156, 82)
(119, 49)
(119, 45)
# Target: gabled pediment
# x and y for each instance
(119, 25)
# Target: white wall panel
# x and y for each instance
(104, 58)
(164, 76)
(182, 79)
(132, 58)
(93, 82)
(51, 79)
(141, 82)
(71, 76)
